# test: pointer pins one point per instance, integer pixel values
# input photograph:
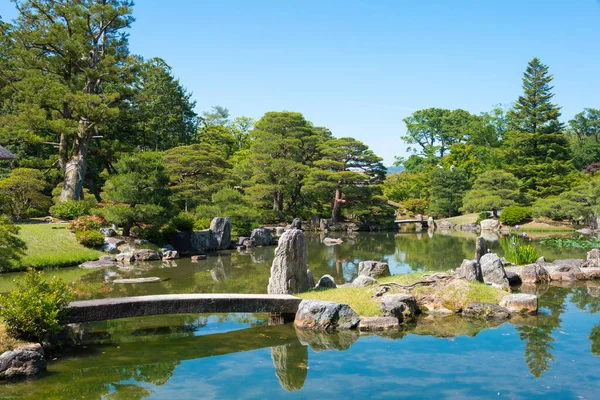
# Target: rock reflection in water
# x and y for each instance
(291, 365)
(321, 341)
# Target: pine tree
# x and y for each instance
(537, 149)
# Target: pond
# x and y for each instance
(554, 354)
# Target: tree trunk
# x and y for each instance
(77, 165)
(127, 228)
(336, 211)
(278, 201)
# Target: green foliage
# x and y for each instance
(21, 193)
(184, 222)
(515, 215)
(492, 190)
(537, 150)
(72, 209)
(416, 206)
(447, 190)
(33, 310)
(139, 191)
(233, 204)
(406, 185)
(12, 248)
(581, 242)
(92, 239)
(86, 223)
(517, 250)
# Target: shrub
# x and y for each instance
(416, 206)
(518, 251)
(87, 223)
(483, 215)
(92, 239)
(12, 248)
(71, 209)
(21, 193)
(514, 215)
(184, 222)
(33, 310)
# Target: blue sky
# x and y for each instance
(360, 67)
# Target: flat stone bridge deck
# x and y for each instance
(138, 306)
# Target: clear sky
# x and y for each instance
(360, 67)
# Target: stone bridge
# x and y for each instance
(138, 306)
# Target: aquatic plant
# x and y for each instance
(580, 242)
(518, 250)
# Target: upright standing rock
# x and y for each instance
(288, 272)
(221, 232)
(493, 271)
(480, 248)
(296, 223)
(470, 270)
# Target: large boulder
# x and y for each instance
(373, 269)
(521, 303)
(593, 258)
(470, 227)
(572, 265)
(493, 271)
(221, 232)
(190, 243)
(486, 311)
(326, 282)
(534, 273)
(25, 360)
(108, 232)
(481, 248)
(262, 237)
(402, 306)
(445, 225)
(125, 258)
(288, 271)
(372, 324)
(363, 280)
(490, 225)
(325, 315)
(469, 270)
(146, 255)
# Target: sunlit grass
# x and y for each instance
(52, 246)
(454, 297)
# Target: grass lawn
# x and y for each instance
(359, 299)
(52, 246)
(463, 219)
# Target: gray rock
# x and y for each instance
(568, 265)
(480, 248)
(125, 258)
(199, 257)
(221, 232)
(493, 271)
(325, 315)
(486, 311)
(490, 225)
(279, 230)
(472, 227)
(190, 243)
(146, 255)
(470, 270)
(98, 264)
(169, 254)
(296, 224)
(288, 271)
(534, 273)
(513, 278)
(521, 303)
(262, 237)
(108, 232)
(140, 241)
(585, 231)
(138, 280)
(353, 227)
(402, 306)
(541, 260)
(445, 225)
(107, 258)
(373, 324)
(593, 258)
(326, 282)
(25, 360)
(332, 241)
(430, 223)
(114, 241)
(363, 280)
(110, 248)
(373, 269)
(323, 224)
(311, 279)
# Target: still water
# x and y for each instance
(552, 355)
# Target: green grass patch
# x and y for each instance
(52, 246)
(454, 296)
(463, 219)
